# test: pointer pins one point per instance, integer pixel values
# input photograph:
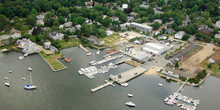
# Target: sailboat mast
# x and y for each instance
(30, 78)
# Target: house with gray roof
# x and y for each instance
(217, 24)
(27, 46)
(56, 35)
(95, 40)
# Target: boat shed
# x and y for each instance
(155, 48)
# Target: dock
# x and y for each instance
(107, 60)
(182, 85)
(127, 75)
(108, 83)
(87, 51)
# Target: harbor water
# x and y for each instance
(67, 90)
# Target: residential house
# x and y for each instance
(108, 32)
(56, 35)
(217, 24)
(133, 14)
(14, 36)
(168, 31)
(205, 29)
(47, 45)
(157, 20)
(96, 41)
(124, 6)
(217, 36)
(115, 18)
(179, 35)
(78, 27)
(156, 32)
(67, 24)
(130, 18)
(71, 29)
(27, 46)
(144, 6)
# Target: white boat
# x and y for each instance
(9, 71)
(30, 87)
(29, 68)
(6, 78)
(88, 53)
(124, 84)
(80, 72)
(23, 79)
(165, 100)
(21, 57)
(160, 84)
(98, 52)
(130, 104)
(26, 54)
(130, 95)
(7, 84)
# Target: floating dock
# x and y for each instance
(87, 51)
(127, 75)
(108, 83)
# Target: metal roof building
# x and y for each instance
(141, 27)
(155, 48)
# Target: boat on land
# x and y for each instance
(29, 68)
(130, 104)
(68, 60)
(112, 50)
(160, 84)
(130, 95)
(30, 87)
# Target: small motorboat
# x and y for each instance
(30, 87)
(98, 52)
(9, 71)
(130, 95)
(23, 79)
(88, 53)
(7, 84)
(125, 84)
(165, 100)
(21, 57)
(92, 62)
(6, 78)
(29, 68)
(160, 84)
(26, 54)
(130, 104)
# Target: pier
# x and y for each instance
(107, 60)
(87, 51)
(127, 75)
(103, 86)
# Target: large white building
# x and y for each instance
(141, 27)
(155, 48)
(179, 35)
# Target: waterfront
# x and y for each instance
(67, 90)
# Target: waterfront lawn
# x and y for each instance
(211, 67)
(12, 47)
(52, 60)
(70, 43)
(111, 40)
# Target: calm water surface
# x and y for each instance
(67, 90)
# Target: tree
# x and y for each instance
(66, 37)
(155, 25)
(61, 20)
(56, 23)
(123, 17)
(31, 20)
(107, 21)
(161, 3)
(185, 37)
(34, 12)
(63, 11)
(195, 8)
(206, 15)
(40, 38)
(18, 25)
(176, 65)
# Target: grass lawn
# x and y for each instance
(12, 47)
(70, 43)
(52, 60)
(214, 68)
(111, 40)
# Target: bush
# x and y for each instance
(133, 39)
(202, 74)
(194, 80)
(210, 66)
(183, 78)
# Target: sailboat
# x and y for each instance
(30, 87)
(93, 60)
